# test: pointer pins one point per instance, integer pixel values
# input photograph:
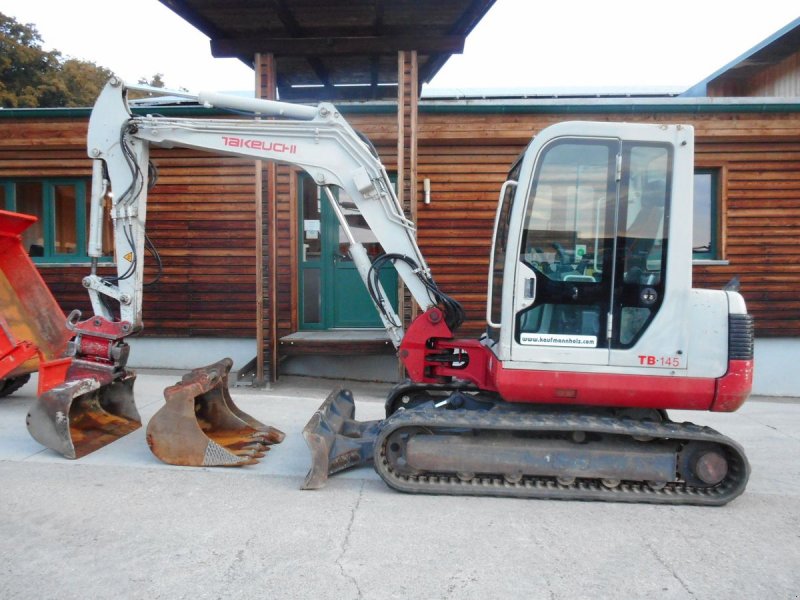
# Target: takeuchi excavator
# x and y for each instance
(593, 329)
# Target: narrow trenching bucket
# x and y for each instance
(201, 426)
(336, 440)
(81, 416)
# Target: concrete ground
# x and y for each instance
(118, 523)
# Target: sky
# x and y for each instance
(532, 44)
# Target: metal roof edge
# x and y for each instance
(540, 105)
(589, 105)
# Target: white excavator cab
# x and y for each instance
(587, 261)
(591, 262)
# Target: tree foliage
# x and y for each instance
(32, 77)
(156, 81)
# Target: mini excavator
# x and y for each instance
(593, 329)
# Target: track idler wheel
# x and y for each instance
(703, 464)
(79, 417)
(200, 425)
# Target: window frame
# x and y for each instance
(49, 185)
(714, 252)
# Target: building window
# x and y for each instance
(62, 209)
(706, 201)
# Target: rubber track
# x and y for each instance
(9, 386)
(547, 487)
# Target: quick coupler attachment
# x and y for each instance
(200, 425)
(336, 440)
(81, 416)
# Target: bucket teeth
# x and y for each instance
(199, 425)
(79, 417)
(336, 440)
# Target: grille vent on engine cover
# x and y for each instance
(740, 337)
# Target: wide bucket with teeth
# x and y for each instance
(199, 425)
(336, 440)
(81, 416)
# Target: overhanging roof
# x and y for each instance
(343, 49)
(768, 52)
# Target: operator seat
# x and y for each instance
(646, 228)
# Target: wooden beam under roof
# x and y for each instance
(374, 59)
(338, 93)
(293, 28)
(335, 46)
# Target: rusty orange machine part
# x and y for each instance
(200, 425)
(32, 325)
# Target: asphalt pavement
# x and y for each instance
(120, 524)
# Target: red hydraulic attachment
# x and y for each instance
(431, 355)
(85, 396)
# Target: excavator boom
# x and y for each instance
(200, 424)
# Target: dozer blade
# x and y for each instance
(336, 440)
(81, 416)
(201, 426)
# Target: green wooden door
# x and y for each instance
(332, 294)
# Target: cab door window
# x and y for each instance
(643, 233)
(568, 241)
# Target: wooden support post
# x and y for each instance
(407, 107)
(407, 110)
(259, 224)
(266, 253)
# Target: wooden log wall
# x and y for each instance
(467, 157)
(201, 213)
(761, 226)
(200, 217)
(382, 131)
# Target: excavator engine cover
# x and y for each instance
(201, 426)
(80, 416)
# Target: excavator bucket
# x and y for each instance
(201, 426)
(336, 440)
(78, 417)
